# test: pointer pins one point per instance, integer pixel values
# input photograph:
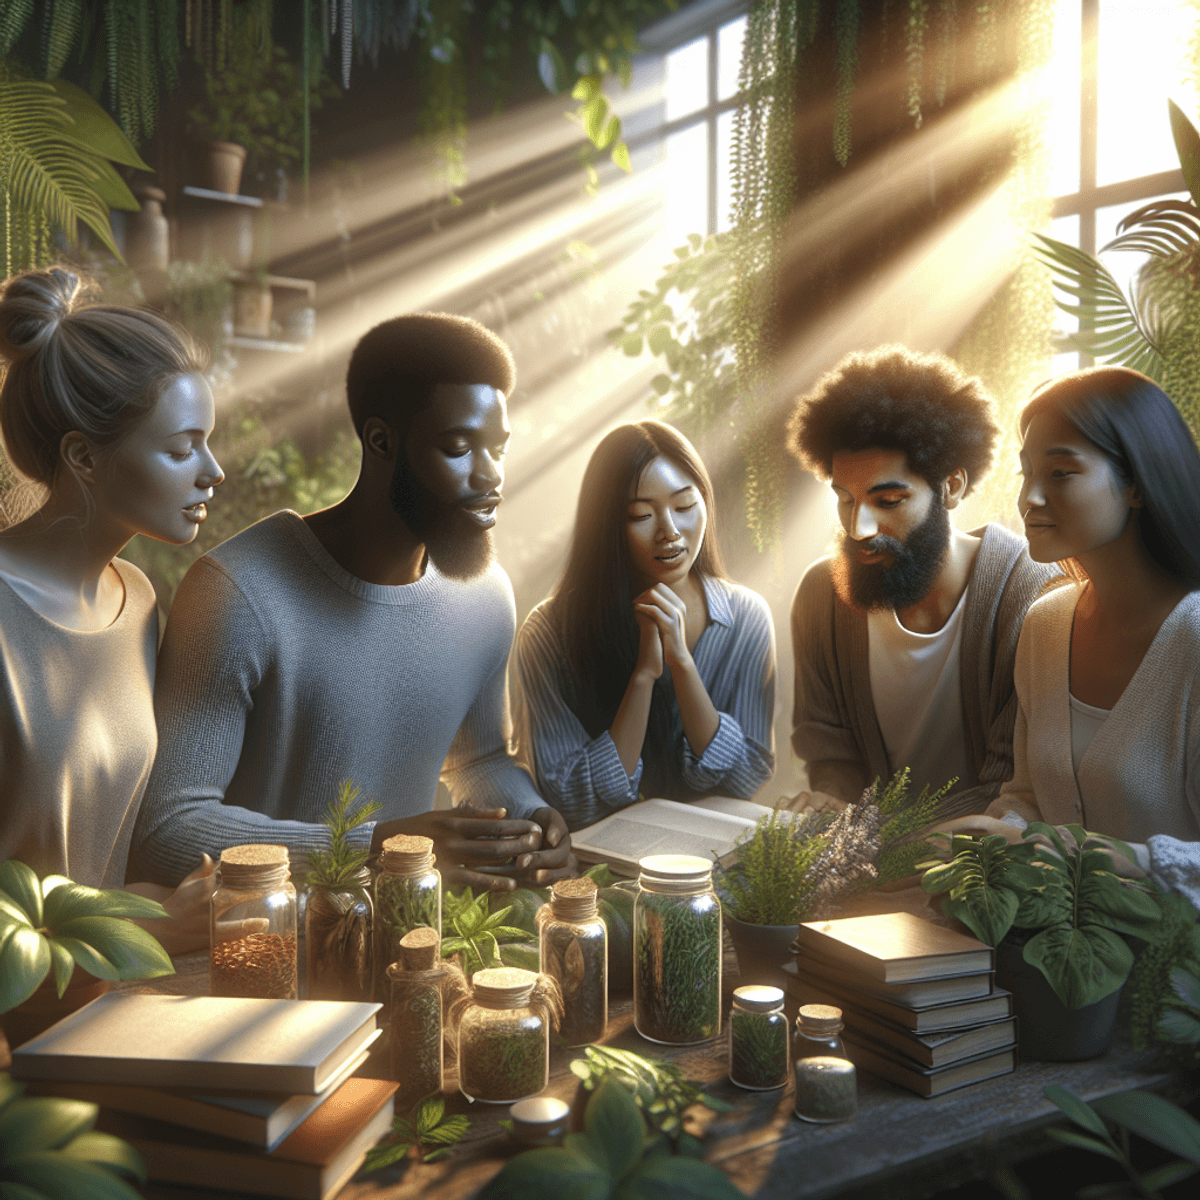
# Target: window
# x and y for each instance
(1115, 64)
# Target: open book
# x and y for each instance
(706, 828)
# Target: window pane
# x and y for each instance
(1142, 61)
(724, 174)
(729, 57)
(1063, 131)
(1064, 229)
(687, 79)
(685, 185)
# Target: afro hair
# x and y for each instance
(396, 366)
(897, 399)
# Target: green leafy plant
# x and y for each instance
(54, 923)
(903, 817)
(658, 1089)
(481, 937)
(1179, 1021)
(50, 1151)
(338, 866)
(1159, 986)
(1149, 1116)
(425, 1133)
(1071, 894)
(614, 1156)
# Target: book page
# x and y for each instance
(661, 827)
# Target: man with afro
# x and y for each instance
(904, 639)
(366, 642)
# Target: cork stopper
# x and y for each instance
(420, 949)
(820, 1018)
(503, 987)
(407, 854)
(254, 865)
(574, 899)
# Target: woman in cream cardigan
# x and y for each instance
(1108, 734)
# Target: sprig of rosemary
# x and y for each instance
(338, 866)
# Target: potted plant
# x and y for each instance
(337, 913)
(1055, 906)
(54, 924)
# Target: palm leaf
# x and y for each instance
(1112, 329)
(1162, 228)
(1187, 146)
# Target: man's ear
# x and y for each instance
(379, 439)
(79, 455)
(955, 487)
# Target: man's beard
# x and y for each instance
(456, 544)
(907, 580)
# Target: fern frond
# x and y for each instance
(14, 16)
(1161, 228)
(62, 33)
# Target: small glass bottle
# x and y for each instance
(574, 951)
(252, 949)
(408, 893)
(826, 1090)
(414, 1015)
(817, 1030)
(758, 1039)
(337, 940)
(503, 1038)
(677, 951)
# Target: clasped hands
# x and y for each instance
(662, 625)
(534, 851)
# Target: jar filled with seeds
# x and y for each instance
(676, 951)
(252, 950)
(826, 1090)
(337, 940)
(758, 1039)
(504, 1037)
(574, 951)
(408, 894)
(818, 1032)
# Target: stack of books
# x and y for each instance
(917, 999)
(246, 1095)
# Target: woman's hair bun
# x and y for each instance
(31, 308)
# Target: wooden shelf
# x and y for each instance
(242, 342)
(283, 282)
(199, 193)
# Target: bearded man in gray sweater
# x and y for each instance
(367, 642)
(905, 639)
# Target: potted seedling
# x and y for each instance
(1058, 907)
(55, 925)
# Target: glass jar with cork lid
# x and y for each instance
(574, 952)
(818, 1032)
(758, 1039)
(252, 948)
(676, 951)
(408, 894)
(504, 1037)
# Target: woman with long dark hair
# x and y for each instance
(1108, 734)
(646, 670)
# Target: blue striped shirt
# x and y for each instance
(583, 777)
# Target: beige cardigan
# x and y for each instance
(1142, 769)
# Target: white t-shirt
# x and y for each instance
(1085, 724)
(915, 682)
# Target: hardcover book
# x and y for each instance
(198, 1042)
(919, 994)
(928, 1082)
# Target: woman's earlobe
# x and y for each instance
(78, 455)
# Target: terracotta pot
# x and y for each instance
(147, 234)
(252, 309)
(1047, 1030)
(219, 166)
(44, 1008)
(761, 950)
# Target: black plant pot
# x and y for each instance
(761, 950)
(1047, 1030)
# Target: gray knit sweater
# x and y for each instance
(834, 713)
(280, 675)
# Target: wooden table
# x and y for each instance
(900, 1146)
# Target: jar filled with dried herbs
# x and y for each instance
(826, 1090)
(574, 951)
(337, 939)
(423, 989)
(504, 1034)
(758, 1039)
(408, 893)
(818, 1032)
(676, 951)
(252, 949)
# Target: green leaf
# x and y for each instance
(1187, 146)
(451, 1130)
(614, 1125)
(552, 1171)
(24, 963)
(594, 113)
(1078, 1110)
(94, 129)
(63, 963)
(1156, 1119)
(1167, 1175)
(429, 1114)
(610, 133)
(112, 189)
(620, 156)
(551, 68)
(19, 884)
(1186, 987)
(668, 1177)
(387, 1154)
(1070, 1138)
(72, 900)
(520, 954)
(134, 952)
(12, 913)
(1081, 965)
(64, 1179)
(89, 959)
(987, 912)
(632, 344)
(107, 1151)
(42, 1123)
(587, 88)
